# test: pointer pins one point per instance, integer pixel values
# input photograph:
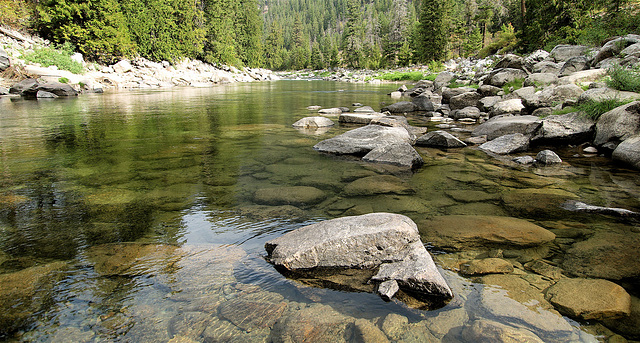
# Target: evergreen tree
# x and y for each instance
(248, 28)
(352, 42)
(274, 48)
(220, 43)
(433, 30)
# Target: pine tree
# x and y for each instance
(433, 30)
(352, 42)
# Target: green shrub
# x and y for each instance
(60, 58)
(403, 76)
(63, 80)
(594, 109)
(624, 79)
(506, 42)
(431, 77)
(436, 66)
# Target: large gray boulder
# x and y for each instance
(617, 125)
(464, 100)
(58, 88)
(443, 79)
(469, 112)
(513, 106)
(401, 107)
(614, 47)
(504, 125)
(547, 67)
(540, 79)
(31, 87)
(362, 140)
(387, 241)
(399, 154)
(547, 157)
(486, 104)
(448, 93)
(26, 85)
(500, 77)
(506, 144)
(562, 53)
(552, 96)
(423, 102)
(570, 128)
(440, 139)
(510, 61)
(574, 64)
(628, 152)
(5, 61)
(359, 118)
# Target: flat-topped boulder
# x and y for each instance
(401, 107)
(571, 128)
(459, 232)
(605, 93)
(399, 154)
(387, 241)
(362, 140)
(506, 144)
(504, 125)
(359, 117)
(440, 139)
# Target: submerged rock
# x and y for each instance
(401, 154)
(378, 184)
(295, 195)
(313, 122)
(440, 139)
(316, 323)
(483, 330)
(589, 299)
(486, 266)
(388, 241)
(460, 232)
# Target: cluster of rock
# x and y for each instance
(514, 120)
(138, 73)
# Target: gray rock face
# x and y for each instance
(448, 93)
(401, 107)
(364, 139)
(540, 79)
(506, 144)
(423, 103)
(552, 96)
(5, 61)
(562, 53)
(628, 152)
(3, 91)
(617, 125)
(26, 85)
(500, 77)
(57, 88)
(313, 122)
(486, 104)
(513, 106)
(614, 47)
(631, 50)
(547, 67)
(469, 112)
(489, 90)
(464, 100)
(510, 61)
(601, 94)
(574, 64)
(566, 128)
(334, 111)
(400, 154)
(385, 240)
(359, 118)
(45, 95)
(440, 139)
(547, 157)
(504, 125)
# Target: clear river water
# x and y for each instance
(131, 217)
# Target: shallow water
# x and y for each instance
(133, 217)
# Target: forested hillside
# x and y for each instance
(299, 34)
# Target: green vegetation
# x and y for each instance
(593, 109)
(63, 80)
(515, 84)
(403, 76)
(60, 57)
(624, 79)
(505, 42)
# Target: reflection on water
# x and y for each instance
(142, 217)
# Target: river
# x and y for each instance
(131, 216)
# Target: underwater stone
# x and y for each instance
(589, 299)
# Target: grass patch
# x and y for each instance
(624, 79)
(63, 80)
(403, 76)
(566, 110)
(594, 109)
(516, 84)
(60, 58)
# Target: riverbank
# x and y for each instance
(138, 73)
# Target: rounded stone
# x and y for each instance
(486, 266)
(294, 195)
(589, 299)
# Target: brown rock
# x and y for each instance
(589, 299)
(317, 323)
(379, 184)
(489, 331)
(468, 231)
(255, 310)
(487, 266)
